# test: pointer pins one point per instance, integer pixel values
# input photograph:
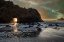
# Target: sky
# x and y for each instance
(48, 9)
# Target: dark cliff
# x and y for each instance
(8, 11)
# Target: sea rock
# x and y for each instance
(8, 11)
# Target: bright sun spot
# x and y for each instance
(15, 20)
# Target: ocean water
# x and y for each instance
(48, 34)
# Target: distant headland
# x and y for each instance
(61, 19)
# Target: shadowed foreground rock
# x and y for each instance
(8, 11)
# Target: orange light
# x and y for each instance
(15, 30)
(14, 26)
(15, 20)
(15, 37)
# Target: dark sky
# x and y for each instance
(49, 9)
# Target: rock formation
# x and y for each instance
(61, 19)
(8, 11)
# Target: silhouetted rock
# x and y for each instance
(61, 19)
(1, 1)
(2, 21)
(8, 11)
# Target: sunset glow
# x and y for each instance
(15, 20)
